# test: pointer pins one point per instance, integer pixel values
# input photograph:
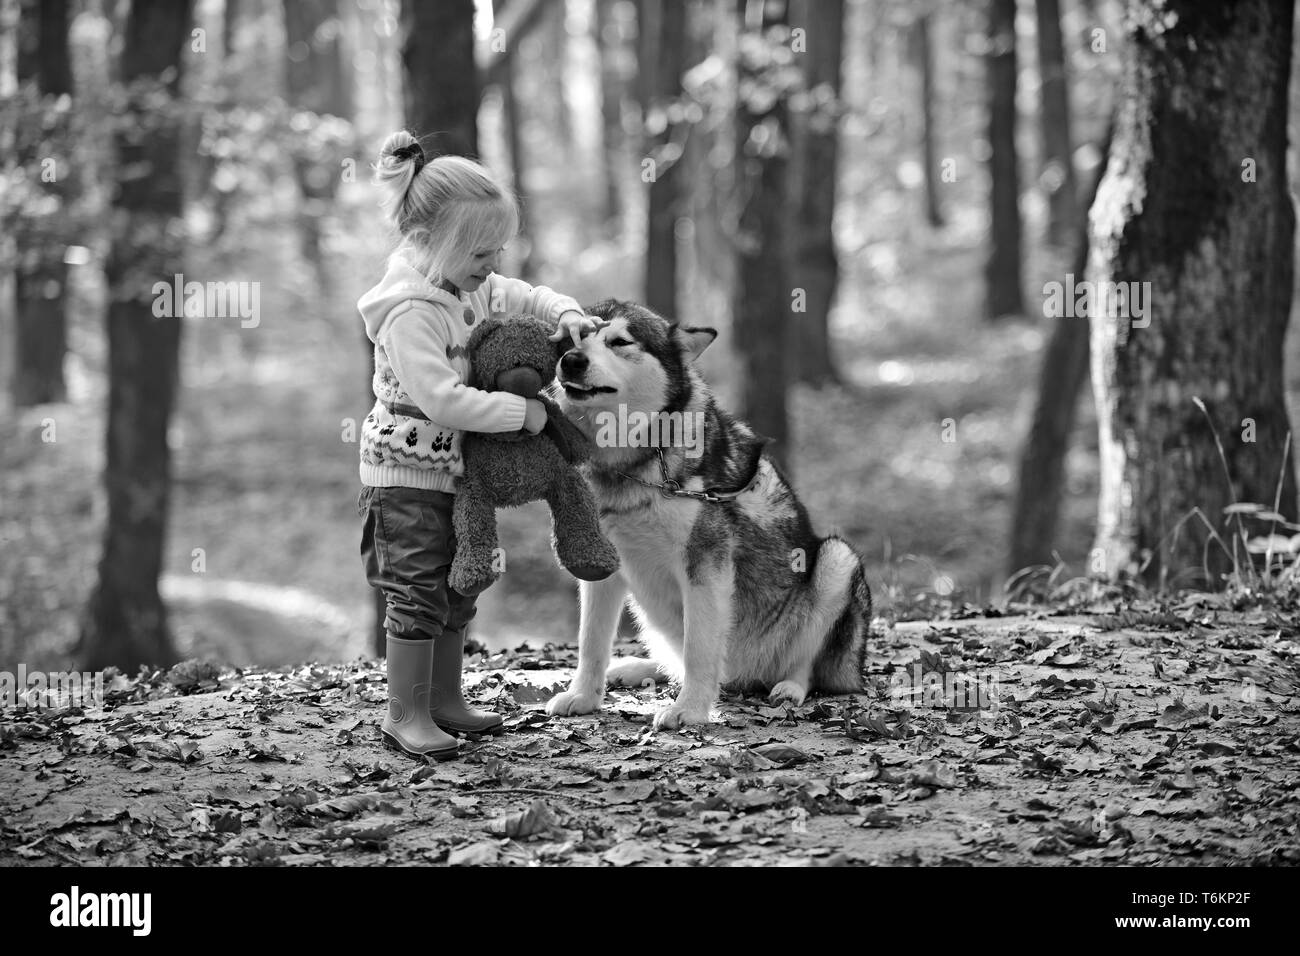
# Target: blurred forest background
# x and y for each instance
(916, 170)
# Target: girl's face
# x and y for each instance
(483, 263)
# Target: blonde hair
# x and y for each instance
(445, 209)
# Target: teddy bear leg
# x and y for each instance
(477, 564)
(580, 547)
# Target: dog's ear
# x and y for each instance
(604, 309)
(694, 341)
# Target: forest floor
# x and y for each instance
(1149, 735)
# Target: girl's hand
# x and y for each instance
(534, 416)
(575, 325)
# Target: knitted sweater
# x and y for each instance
(420, 334)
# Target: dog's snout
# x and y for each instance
(573, 362)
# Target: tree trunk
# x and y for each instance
(40, 332)
(315, 76)
(929, 155)
(613, 83)
(9, 132)
(665, 20)
(816, 145)
(555, 47)
(515, 20)
(1057, 176)
(27, 39)
(710, 259)
(1195, 203)
(316, 82)
(762, 296)
(1064, 372)
(55, 69)
(1002, 269)
(440, 80)
(125, 622)
(230, 27)
(10, 42)
(647, 42)
(505, 80)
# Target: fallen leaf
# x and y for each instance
(632, 792)
(1061, 659)
(347, 806)
(1217, 748)
(483, 853)
(1043, 763)
(1250, 788)
(226, 821)
(628, 853)
(933, 774)
(1178, 716)
(1044, 845)
(1145, 723)
(1084, 763)
(877, 817)
(537, 819)
(370, 831)
(754, 798)
(782, 755)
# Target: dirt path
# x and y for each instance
(1133, 739)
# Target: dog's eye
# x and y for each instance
(616, 343)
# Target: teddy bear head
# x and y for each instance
(513, 354)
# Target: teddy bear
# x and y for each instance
(507, 469)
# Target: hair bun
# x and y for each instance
(413, 151)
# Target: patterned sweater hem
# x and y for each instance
(396, 476)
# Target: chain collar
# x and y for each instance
(672, 488)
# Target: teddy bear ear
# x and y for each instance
(541, 326)
(480, 335)
(482, 331)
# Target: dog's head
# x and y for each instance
(637, 359)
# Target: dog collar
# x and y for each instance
(672, 488)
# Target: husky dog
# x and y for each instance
(728, 580)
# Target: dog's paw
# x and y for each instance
(788, 692)
(675, 716)
(571, 703)
(634, 672)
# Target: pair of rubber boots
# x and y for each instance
(425, 699)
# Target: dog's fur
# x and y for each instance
(739, 592)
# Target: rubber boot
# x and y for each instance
(447, 703)
(408, 726)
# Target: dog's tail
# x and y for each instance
(840, 582)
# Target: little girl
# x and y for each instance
(453, 219)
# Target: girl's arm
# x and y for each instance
(417, 350)
(515, 295)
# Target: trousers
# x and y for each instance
(407, 545)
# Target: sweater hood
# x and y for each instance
(401, 283)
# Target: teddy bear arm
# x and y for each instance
(474, 520)
(580, 546)
(568, 438)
